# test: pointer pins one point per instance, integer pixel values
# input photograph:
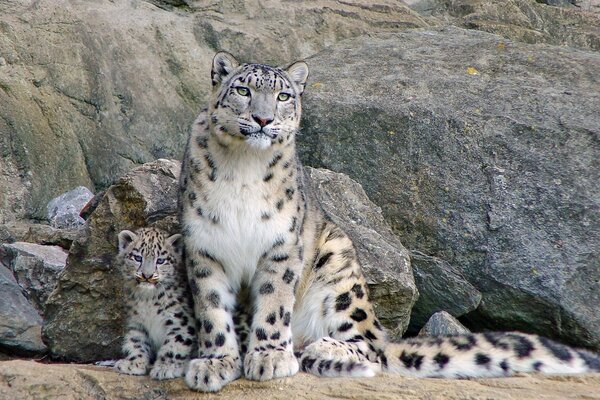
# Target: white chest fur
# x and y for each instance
(240, 234)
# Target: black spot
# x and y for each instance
(377, 324)
(346, 326)
(220, 340)
(482, 359)
(286, 318)
(463, 342)
(266, 288)
(359, 315)
(495, 339)
(214, 299)
(522, 346)
(268, 177)
(281, 311)
(560, 351)
(280, 257)
(271, 318)
(202, 273)
(307, 364)
(191, 330)
(323, 260)
(411, 359)
(289, 193)
(369, 335)
(275, 336)
(441, 360)
(288, 276)
(343, 301)
(265, 216)
(199, 211)
(537, 366)
(167, 323)
(179, 339)
(275, 160)
(261, 334)
(293, 225)
(279, 205)
(504, 365)
(358, 291)
(208, 326)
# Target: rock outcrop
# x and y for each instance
(441, 323)
(481, 152)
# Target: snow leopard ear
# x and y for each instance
(223, 64)
(176, 242)
(125, 239)
(298, 72)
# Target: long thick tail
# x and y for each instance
(490, 354)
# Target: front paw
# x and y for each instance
(211, 374)
(270, 364)
(138, 366)
(168, 370)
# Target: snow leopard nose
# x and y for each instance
(261, 121)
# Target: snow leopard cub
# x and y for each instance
(161, 329)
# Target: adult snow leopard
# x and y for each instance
(255, 238)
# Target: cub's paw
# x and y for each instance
(269, 364)
(138, 366)
(168, 370)
(211, 374)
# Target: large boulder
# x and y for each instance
(20, 324)
(35, 267)
(480, 151)
(90, 90)
(63, 211)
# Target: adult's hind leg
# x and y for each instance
(334, 321)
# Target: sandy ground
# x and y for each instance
(31, 380)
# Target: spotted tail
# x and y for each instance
(489, 354)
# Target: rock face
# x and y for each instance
(63, 211)
(384, 260)
(35, 268)
(84, 315)
(441, 323)
(486, 155)
(442, 288)
(20, 324)
(89, 91)
(31, 380)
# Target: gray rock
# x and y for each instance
(20, 324)
(442, 287)
(82, 119)
(481, 152)
(35, 268)
(22, 231)
(384, 260)
(84, 316)
(441, 323)
(63, 211)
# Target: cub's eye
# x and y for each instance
(137, 258)
(160, 261)
(242, 91)
(283, 97)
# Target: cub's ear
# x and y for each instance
(298, 72)
(176, 242)
(125, 239)
(223, 64)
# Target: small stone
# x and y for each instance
(441, 323)
(63, 211)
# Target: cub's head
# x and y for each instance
(150, 257)
(255, 104)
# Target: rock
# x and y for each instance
(63, 211)
(442, 287)
(441, 323)
(481, 152)
(35, 268)
(27, 379)
(21, 231)
(574, 25)
(20, 324)
(84, 315)
(384, 260)
(90, 91)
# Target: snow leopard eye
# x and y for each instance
(283, 97)
(160, 261)
(242, 91)
(137, 258)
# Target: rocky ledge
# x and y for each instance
(32, 380)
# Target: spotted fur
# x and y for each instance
(161, 329)
(256, 239)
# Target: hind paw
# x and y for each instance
(270, 364)
(211, 374)
(169, 370)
